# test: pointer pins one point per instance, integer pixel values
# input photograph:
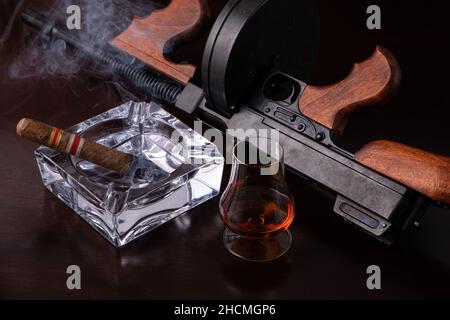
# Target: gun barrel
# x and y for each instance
(155, 85)
(34, 19)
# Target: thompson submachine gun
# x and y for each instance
(250, 79)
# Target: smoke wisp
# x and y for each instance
(100, 22)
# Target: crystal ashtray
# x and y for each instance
(122, 207)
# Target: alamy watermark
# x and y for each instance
(265, 151)
(73, 281)
(73, 21)
(374, 280)
(374, 20)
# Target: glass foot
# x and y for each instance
(257, 249)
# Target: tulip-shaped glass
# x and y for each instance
(257, 207)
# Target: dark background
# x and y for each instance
(40, 237)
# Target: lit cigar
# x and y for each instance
(77, 146)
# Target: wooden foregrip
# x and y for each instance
(422, 171)
(65, 142)
(368, 83)
(149, 38)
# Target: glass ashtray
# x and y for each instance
(186, 171)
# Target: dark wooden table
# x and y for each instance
(185, 259)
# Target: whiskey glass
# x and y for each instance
(257, 207)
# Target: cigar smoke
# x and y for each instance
(29, 58)
(100, 21)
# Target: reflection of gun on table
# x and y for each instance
(255, 53)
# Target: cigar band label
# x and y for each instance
(55, 138)
(75, 145)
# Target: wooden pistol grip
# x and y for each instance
(368, 83)
(422, 171)
(149, 38)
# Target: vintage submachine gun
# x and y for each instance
(257, 55)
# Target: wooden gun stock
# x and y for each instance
(369, 82)
(422, 171)
(149, 38)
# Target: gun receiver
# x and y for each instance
(383, 189)
(387, 186)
